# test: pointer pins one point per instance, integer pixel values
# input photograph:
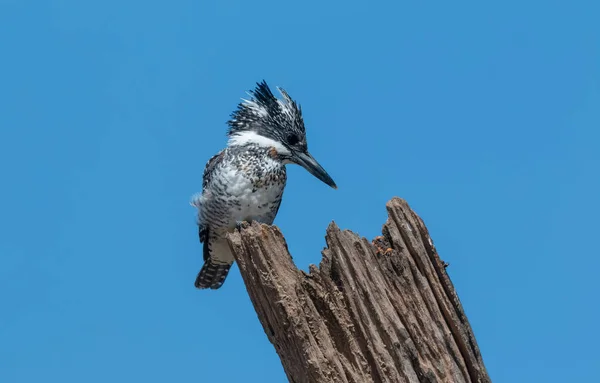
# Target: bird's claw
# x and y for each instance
(239, 225)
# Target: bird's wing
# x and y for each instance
(206, 178)
(210, 166)
(276, 210)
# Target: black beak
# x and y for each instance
(309, 163)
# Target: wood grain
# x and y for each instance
(380, 311)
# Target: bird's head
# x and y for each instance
(270, 122)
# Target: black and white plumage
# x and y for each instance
(245, 181)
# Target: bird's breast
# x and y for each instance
(253, 190)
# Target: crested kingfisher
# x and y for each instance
(245, 181)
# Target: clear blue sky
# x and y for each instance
(484, 117)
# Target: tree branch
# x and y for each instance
(384, 311)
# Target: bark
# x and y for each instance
(380, 311)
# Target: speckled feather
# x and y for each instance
(241, 183)
(245, 181)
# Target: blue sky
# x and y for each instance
(484, 117)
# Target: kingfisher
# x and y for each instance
(244, 182)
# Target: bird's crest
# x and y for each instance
(265, 114)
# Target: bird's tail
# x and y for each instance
(212, 275)
(217, 260)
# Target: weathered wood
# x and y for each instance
(381, 311)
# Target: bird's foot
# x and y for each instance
(239, 225)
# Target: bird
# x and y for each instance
(245, 181)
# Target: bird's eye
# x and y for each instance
(292, 139)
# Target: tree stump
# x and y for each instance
(381, 311)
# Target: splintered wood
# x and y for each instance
(381, 311)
